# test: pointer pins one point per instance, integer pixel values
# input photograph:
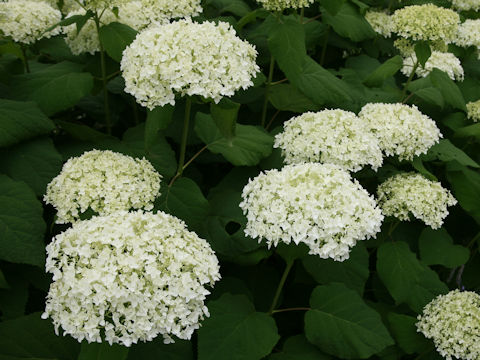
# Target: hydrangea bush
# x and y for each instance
(241, 179)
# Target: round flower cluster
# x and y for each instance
(280, 5)
(401, 129)
(85, 41)
(407, 193)
(452, 321)
(465, 5)
(25, 21)
(469, 33)
(381, 22)
(127, 276)
(316, 204)
(473, 110)
(103, 181)
(426, 22)
(330, 136)
(443, 61)
(187, 58)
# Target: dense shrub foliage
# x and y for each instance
(239, 179)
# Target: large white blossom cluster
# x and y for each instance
(104, 182)
(280, 5)
(26, 21)
(401, 129)
(410, 193)
(443, 61)
(187, 58)
(316, 204)
(330, 136)
(465, 5)
(426, 22)
(473, 110)
(452, 321)
(469, 33)
(380, 21)
(127, 277)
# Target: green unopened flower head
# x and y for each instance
(452, 321)
(426, 22)
(279, 5)
(473, 110)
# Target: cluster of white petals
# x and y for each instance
(26, 21)
(401, 129)
(101, 5)
(104, 182)
(465, 5)
(452, 321)
(411, 193)
(443, 61)
(381, 22)
(187, 58)
(127, 277)
(469, 33)
(330, 136)
(426, 22)
(473, 110)
(316, 204)
(85, 41)
(67, 6)
(280, 5)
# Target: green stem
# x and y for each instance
(324, 46)
(291, 309)
(106, 107)
(25, 59)
(404, 92)
(393, 226)
(475, 238)
(280, 286)
(267, 90)
(188, 163)
(302, 14)
(183, 145)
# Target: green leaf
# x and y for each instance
(446, 151)
(14, 299)
(420, 167)
(102, 351)
(247, 147)
(21, 224)
(437, 248)
(405, 333)
(236, 331)
(423, 52)
(353, 272)
(185, 200)
(469, 131)
(341, 324)
(36, 162)
(115, 37)
(21, 121)
(54, 88)
(79, 20)
(298, 348)
(236, 7)
(333, 6)
(225, 114)
(349, 23)
(286, 97)
(431, 95)
(384, 71)
(407, 280)
(31, 337)
(3, 282)
(466, 188)
(450, 91)
(157, 120)
(156, 349)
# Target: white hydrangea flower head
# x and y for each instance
(100, 5)
(443, 61)
(68, 5)
(452, 321)
(465, 5)
(411, 193)
(469, 33)
(127, 277)
(25, 21)
(426, 22)
(316, 204)
(330, 136)
(401, 129)
(86, 41)
(473, 110)
(381, 22)
(187, 58)
(103, 181)
(280, 5)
